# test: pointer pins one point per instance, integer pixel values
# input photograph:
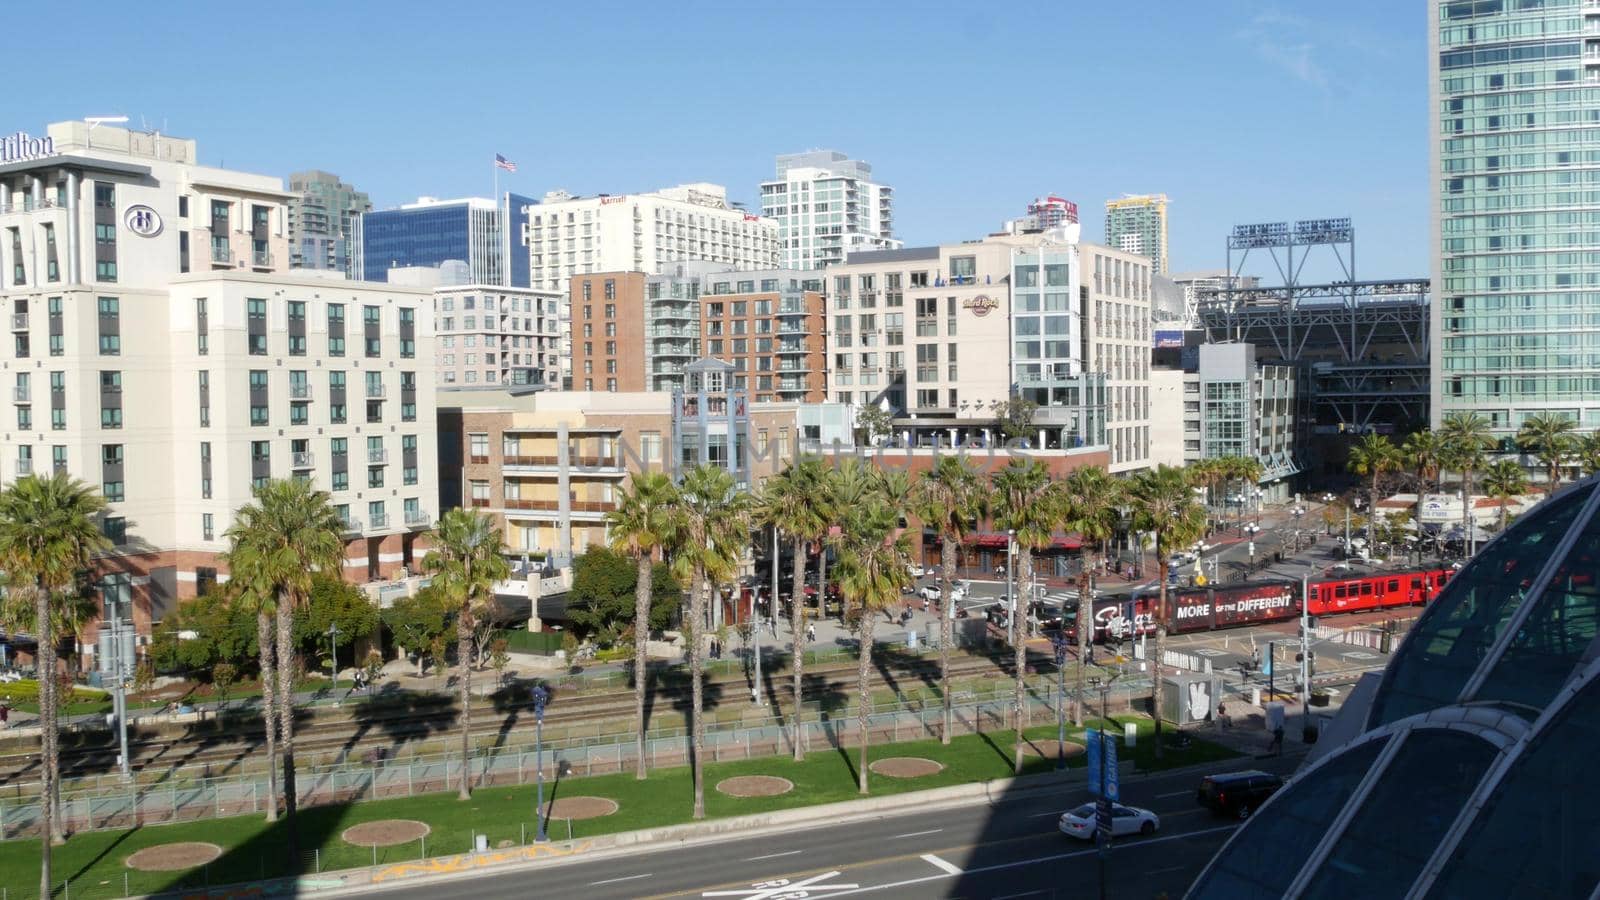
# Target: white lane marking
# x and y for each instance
(783, 887)
(773, 855)
(1031, 862)
(948, 867)
(615, 880)
(917, 833)
(1173, 794)
(1043, 814)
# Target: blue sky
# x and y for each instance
(1239, 110)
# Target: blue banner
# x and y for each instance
(1102, 757)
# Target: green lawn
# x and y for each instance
(95, 860)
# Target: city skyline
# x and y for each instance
(1344, 136)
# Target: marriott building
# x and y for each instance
(161, 351)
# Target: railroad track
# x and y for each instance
(435, 715)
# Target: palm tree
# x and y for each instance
(873, 569)
(263, 600)
(711, 539)
(1422, 451)
(278, 543)
(641, 524)
(468, 558)
(1551, 437)
(846, 486)
(949, 500)
(1248, 471)
(1209, 474)
(1466, 440)
(1089, 506)
(1164, 504)
(1375, 456)
(1504, 480)
(1020, 503)
(793, 503)
(1589, 452)
(48, 534)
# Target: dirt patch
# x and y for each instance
(580, 808)
(174, 857)
(385, 832)
(755, 786)
(1047, 749)
(907, 767)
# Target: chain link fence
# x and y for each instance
(823, 725)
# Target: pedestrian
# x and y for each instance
(5, 715)
(1222, 715)
(811, 633)
(1277, 741)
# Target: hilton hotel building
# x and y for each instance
(161, 351)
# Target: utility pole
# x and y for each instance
(1305, 661)
(1347, 531)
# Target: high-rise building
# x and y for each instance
(1515, 248)
(827, 206)
(322, 215)
(637, 332)
(941, 337)
(430, 232)
(566, 236)
(1138, 224)
(492, 336)
(1044, 213)
(162, 352)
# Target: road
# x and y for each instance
(1009, 850)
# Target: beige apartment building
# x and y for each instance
(161, 352)
(493, 335)
(943, 336)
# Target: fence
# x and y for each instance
(834, 726)
(1385, 637)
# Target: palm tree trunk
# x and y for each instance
(47, 729)
(797, 614)
(1161, 634)
(269, 709)
(697, 607)
(464, 660)
(864, 703)
(1466, 508)
(286, 667)
(1085, 635)
(822, 582)
(947, 573)
(641, 635)
(1020, 645)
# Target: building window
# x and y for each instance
(408, 341)
(205, 398)
(374, 476)
(478, 448)
(480, 493)
(205, 470)
(258, 397)
(57, 329)
(115, 529)
(110, 326)
(202, 327)
(408, 455)
(256, 320)
(58, 459)
(110, 399)
(370, 321)
(111, 481)
(336, 402)
(297, 328)
(335, 329)
(208, 532)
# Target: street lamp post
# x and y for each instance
(1059, 643)
(333, 655)
(541, 696)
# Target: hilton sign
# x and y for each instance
(22, 147)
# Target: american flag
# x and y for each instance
(504, 163)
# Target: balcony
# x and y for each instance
(479, 502)
(299, 390)
(261, 258)
(19, 321)
(532, 462)
(380, 520)
(577, 506)
(418, 518)
(595, 462)
(375, 390)
(377, 455)
(302, 460)
(222, 255)
(351, 525)
(24, 466)
(22, 393)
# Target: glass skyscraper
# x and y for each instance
(1515, 87)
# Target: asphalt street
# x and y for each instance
(1010, 849)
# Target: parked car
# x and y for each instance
(916, 571)
(1237, 794)
(1080, 822)
(932, 592)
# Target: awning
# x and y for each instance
(991, 540)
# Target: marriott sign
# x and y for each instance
(22, 147)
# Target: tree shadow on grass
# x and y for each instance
(266, 856)
(831, 699)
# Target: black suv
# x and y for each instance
(1237, 794)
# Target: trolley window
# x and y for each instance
(1366, 588)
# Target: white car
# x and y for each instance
(916, 571)
(1080, 822)
(931, 592)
